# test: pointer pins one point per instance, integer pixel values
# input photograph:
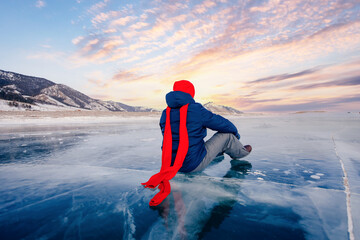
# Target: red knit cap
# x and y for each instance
(184, 86)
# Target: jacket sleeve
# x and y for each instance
(162, 122)
(217, 123)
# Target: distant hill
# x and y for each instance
(34, 93)
(220, 109)
(39, 93)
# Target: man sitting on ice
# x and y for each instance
(183, 124)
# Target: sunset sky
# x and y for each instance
(255, 56)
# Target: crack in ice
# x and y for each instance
(44, 200)
(348, 193)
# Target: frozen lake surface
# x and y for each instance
(82, 181)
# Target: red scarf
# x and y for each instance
(167, 172)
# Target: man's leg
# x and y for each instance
(219, 143)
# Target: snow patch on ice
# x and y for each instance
(258, 173)
(148, 139)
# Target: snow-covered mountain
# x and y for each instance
(220, 109)
(31, 92)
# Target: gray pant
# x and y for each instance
(221, 143)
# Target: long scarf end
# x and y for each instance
(148, 185)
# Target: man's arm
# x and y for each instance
(162, 122)
(217, 123)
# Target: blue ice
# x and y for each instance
(82, 181)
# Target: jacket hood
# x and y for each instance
(184, 86)
(177, 99)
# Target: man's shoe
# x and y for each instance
(248, 148)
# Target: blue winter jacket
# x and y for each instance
(198, 119)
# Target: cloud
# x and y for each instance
(77, 40)
(121, 21)
(95, 49)
(351, 81)
(285, 76)
(46, 46)
(204, 6)
(110, 30)
(98, 6)
(91, 45)
(40, 4)
(139, 25)
(311, 104)
(334, 75)
(127, 76)
(101, 17)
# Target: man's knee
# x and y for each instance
(225, 135)
(231, 137)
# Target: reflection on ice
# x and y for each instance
(78, 182)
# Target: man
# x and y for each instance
(200, 154)
(183, 124)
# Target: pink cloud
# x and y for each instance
(77, 40)
(40, 4)
(139, 25)
(204, 6)
(127, 76)
(98, 6)
(122, 21)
